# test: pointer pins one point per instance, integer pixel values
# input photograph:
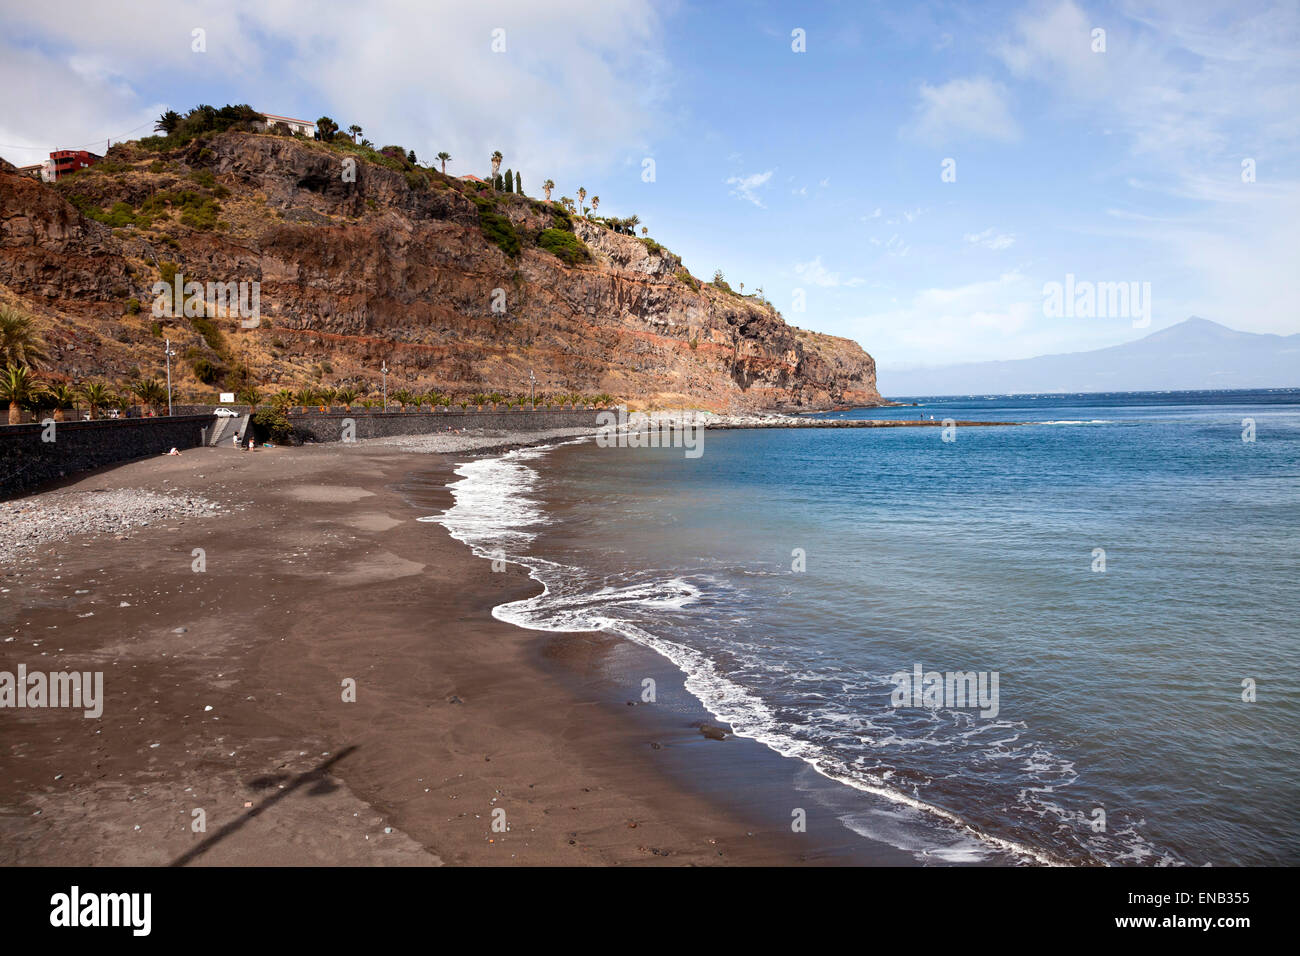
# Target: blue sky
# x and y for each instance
(815, 174)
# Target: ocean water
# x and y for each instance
(1121, 735)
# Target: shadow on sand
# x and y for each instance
(318, 775)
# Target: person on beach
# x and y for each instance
(234, 441)
(250, 444)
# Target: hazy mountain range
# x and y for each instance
(1196, 353)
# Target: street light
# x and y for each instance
(531, 382)
(167, 351)
(385, 371)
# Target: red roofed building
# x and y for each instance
(67, 161)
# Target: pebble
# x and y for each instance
(28, 523)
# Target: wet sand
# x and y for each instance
(224, 694)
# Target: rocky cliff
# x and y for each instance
(360, 262)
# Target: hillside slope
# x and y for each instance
(402, 265)
(1195, 353)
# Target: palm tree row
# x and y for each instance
(22, 388)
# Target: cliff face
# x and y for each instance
(391, 264)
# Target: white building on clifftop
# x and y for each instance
(301, 127)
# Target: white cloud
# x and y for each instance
(1182, 80)
(991, 239)
(907, 215)
(963, 109)
(1193, 90)
(979, 320)
(814, 273)
(745, 187)
(577, 86)
(894, 245)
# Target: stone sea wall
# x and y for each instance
(28, 459)
(329, 426)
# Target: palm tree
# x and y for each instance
(595, 203)
(97, 396)
(250, 396)
(19, 387)
(496, 166)
(150, 391)
(345, 397)
(167, 123)
(645, 231)
(582, 195)
(282, 399)
(355, 130)
(61, 396)
(444, 157)
(547, 187)
(20, 344)
(567, 203)
(304, 396)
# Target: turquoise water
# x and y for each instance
(1119, 690)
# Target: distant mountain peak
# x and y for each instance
(1191, 354)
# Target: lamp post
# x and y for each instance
(385, 371)
(531, 383)
(167, 351)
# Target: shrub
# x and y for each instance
(120, 215)
(211, 334)
(565, 246)
(200, 215)
(273, 422)
(208, 372)
(561, 218)
(203, 120)
(396, 156)
(497, 229)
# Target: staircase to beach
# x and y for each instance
(223, 428)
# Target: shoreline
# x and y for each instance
(223, 691)
(761, 773)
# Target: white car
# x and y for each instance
(225, 413)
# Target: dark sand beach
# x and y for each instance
(223, 693)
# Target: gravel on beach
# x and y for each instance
(28, 523)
